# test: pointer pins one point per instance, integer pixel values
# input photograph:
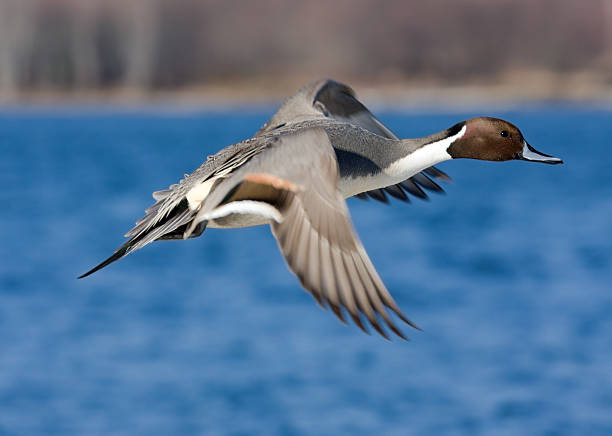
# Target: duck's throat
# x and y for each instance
(423, 157)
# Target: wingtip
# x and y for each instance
(380, 331)
(403, 318)
(397, 331)
(410, 323)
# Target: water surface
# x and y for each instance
(508, 274)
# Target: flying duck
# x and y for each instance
(296, 179)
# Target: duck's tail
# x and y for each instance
(171, 227)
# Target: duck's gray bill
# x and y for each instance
(531, 154)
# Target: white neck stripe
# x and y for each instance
(424, 157)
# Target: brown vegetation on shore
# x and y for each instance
(247, 50)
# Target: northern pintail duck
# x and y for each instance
(296, 178)
(326, 98)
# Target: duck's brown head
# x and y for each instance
(493, 139)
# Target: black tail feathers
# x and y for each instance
(126, 248)
(121, 251)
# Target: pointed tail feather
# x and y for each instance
(164, 228)
(121, 251)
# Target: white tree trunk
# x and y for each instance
(140, 23)
(84, 55)
(16, 18)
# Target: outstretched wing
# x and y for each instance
(315, 233)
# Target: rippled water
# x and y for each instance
(509, 275)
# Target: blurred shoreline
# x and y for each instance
(217, 54)
(586, 88)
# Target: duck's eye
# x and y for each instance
(503, 133)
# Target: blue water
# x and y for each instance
(509, 275)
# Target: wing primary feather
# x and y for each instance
(396, 191)
(355, 291)
(328, 280)
(437, 174)
(414, 189)
(406, 320)
(361, 294)
(289, 239)
(301, 264)
(376, 295)
(344, 287)
(313, 266)
(379, 195)
(379, 309)
(388, 300)
(427, 183)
